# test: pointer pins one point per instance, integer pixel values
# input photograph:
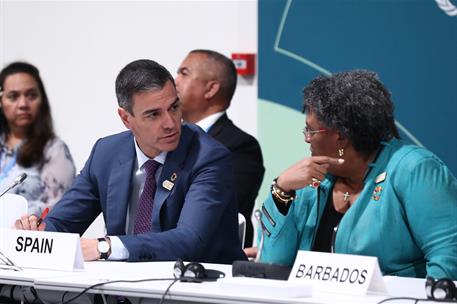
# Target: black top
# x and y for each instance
(330, 219)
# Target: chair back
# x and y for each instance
(97, 229)
(12, 207)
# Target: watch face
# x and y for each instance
(103, 246)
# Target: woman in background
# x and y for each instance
(27, 140)
(363, 191)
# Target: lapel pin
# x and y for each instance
(377, 193)
(381, 177)
(174, 176)
(167, 184)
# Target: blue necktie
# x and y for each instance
(144, 212)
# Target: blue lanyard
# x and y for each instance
(8, 166)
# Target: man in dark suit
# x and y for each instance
(190, 191)
(206, 82)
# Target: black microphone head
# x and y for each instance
(16, 182)
(260, 270)
(20, 178)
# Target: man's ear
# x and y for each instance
(125, 116)
(212, 87)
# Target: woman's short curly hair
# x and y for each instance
(356, 104)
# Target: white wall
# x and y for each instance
(80, 46)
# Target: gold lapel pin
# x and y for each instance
(174, 176)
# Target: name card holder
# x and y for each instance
(340, 273)
(42, 249)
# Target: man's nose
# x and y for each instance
(168, 121)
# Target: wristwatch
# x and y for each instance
(104, 247)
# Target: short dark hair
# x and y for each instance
(227, 77)
(139, 76)
(42, 130)
(356, 104)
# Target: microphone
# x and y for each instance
(332, 244)
(16, 182)
(7, 264)
(256, 269)
(258, 217)
(260, 270)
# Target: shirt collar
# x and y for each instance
(382, 158)
(207, 122)
(142, 158)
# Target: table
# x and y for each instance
(51, 285)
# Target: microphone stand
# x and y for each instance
(258, 216)
(16, 182)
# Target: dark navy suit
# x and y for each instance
(195, 221)
(247, 166)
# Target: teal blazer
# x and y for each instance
(408, 219)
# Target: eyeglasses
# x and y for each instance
(309, 132)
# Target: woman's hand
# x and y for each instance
(308, 171)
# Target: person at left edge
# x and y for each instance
(194, 191)
(28, 143)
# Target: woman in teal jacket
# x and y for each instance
(363, 191)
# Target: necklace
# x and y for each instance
(346, 196)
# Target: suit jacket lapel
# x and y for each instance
(119, 186)
(172, 167)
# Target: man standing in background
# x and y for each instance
(206, 82)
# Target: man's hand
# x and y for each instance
(90, 249)
(29, 222)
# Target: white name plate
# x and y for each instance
(41, 249)
(342, 273)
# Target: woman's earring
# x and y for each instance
(341, 152)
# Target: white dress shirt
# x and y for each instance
(207, 122)
(118, 250)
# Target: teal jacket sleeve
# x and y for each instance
(428, 192)
(282, 234)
